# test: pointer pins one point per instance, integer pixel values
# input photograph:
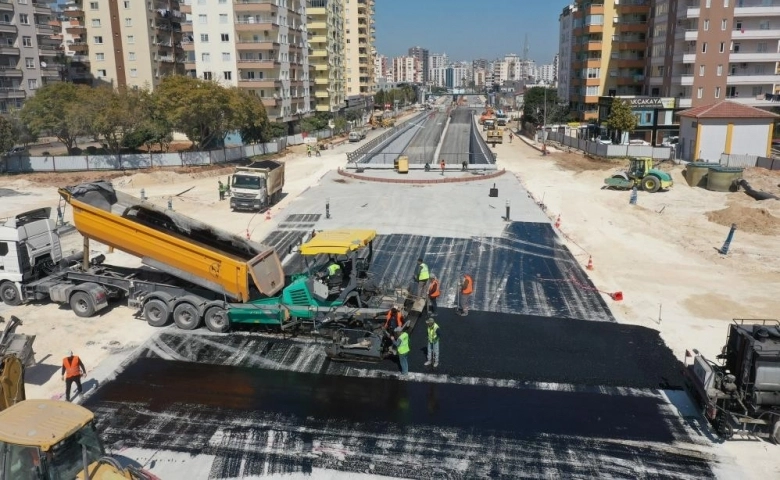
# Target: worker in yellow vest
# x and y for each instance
(72, 370)
(433, 343)
(421, 276)
(402, 347)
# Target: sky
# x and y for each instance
(469, 29)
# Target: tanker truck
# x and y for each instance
(191, 271)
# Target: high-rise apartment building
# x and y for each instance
(546, 74)
(422, 55)
(129, 44)
(609, 41)
(27, 53)
(703, 51)
(326, 28)
(359, 33)
(255, 45)
(437, 63)
(565, 43)
(406, 70)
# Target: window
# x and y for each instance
(202, 19)
(206, 75)
(700, 92)
(222, 2)
(223, 18)
(720, 70)
(706, 25)
(723, 24)
(761, 47)
(131, 39)
(758, 90)
(764, 25)
(227, 75)
(205, 57)
(3, 249)
(24, 19)
(127, 4)
(225, 56)
(722, 47)
(704, 47)
(133, 72)
(101, 73)
(592, 73)
(759, 69)
(204, 37)
(32, 83)
(707, 4)
(701, 70)
(29, 62)
(27, 41)
(725, 3)
(131, 56)
(225, 37)
(734, 47)
(100, 57)
(737, 25)
(93, 5)
(128, 22)
(717, 92)
(96, 22)
(98, 40)
(592, 90)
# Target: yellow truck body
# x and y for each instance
(495, 136)
(176, 244)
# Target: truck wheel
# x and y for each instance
(186, 316)
(156, 313)
(216, 320)
(776, 432)
(82, 305)
(10, 294)
(651, 184)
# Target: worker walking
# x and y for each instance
(72, 370)
(421, 276)
(222, 190)
(433, 343)
(433, 295)
(442, 165)
(466, 289)
(402, 347)
(510, 137)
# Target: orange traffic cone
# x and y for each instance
(590, 263)
(248, 237)
(268, 214)
(558, 222)
(617, 296)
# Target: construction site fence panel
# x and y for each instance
(134, 161)
(607, 150)
(744, 161)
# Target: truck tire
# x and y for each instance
(82, 304)
(216, 320)
(651, 184)
(776, 432)
(157, 313)
(186, 316)
(10, 294)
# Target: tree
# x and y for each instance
(23, 134)
(536, 110)
(249, 116)
(621, 118)
(380, 98)
(339, 125)
(201, 109)
(275, 130)
(115, 114)
(7, 135)
(60, 109)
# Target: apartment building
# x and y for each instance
(359, 33)
(326, 28)
(546, 74)
(609, 40)
(565, 43)
(407, 70)
(437, 63)
(128, 43)
(27, 51)
(704, 51)
(73, 66)
(423, 57)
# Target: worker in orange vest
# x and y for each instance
(442, 165)
(72, 370)
(466, 289)
(395, 319)
(433, 295)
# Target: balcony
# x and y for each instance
(256, 24)
(245, 63)
(757, 10)
(73, 12)
(6, 6)
(691, 35)
(259, 82)
(685, 80)
(755, 34)
(263, 6)
(44, 30)
(76, 29)
(185, 8)
(266, 45)
(12, 92)
(7, 27)
(754, 57)
(50, 72)
(751, 80)
(47, 52)
(42, 10)
(78, 47)
(186, 26)
(9, 51)
(79, 58)
(270, 101)
(7, 71)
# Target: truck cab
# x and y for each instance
(257, 186)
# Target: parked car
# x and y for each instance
(669, 141)
(637, 142)
(16, 151)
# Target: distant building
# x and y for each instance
(359, 35)
(656, 116)
(546, 74)
(565, 54)
(406, 70)
(422, 56)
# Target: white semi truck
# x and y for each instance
(257, 186)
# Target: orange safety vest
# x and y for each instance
(433, 290)
(399, 318)
(469, 285)
(72, 369)
(441, 164)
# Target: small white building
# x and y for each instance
(708, 131)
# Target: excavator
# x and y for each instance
(47, 439)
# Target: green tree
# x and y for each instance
(339, 125)
(115, 114)
(621, 118)
(535, 109)
(201, 109)
(380, 98)
(275, 130)
(249, 116)
(23, 134)
(61, 109)
(7, 135)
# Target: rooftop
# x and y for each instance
(727, 109)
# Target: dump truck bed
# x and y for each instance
(174, 243)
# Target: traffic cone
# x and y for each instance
(558, 222)
(617, 296)
(590, 263)
(248, 237)
(268, 214)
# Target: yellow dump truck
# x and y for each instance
(495, 136)
(54, 439)
(196, 269)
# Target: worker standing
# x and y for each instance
(466, 289)
(433, 343)
(221, 190)
(402, 347)
(394, 319)
(433, 295)
(72, 370)
(421, 276)
(510, 137)
(334, 273)
(442, 165)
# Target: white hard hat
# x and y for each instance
(70, 353)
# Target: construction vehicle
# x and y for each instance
(488, 125)
(16, 353)
(741, 390)
(486, 114)
(388, 122)
(257, 186)
(320, 305)
(357, 134)
(191, 270)
(495, 136)
(501, 118)
(640, 174)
